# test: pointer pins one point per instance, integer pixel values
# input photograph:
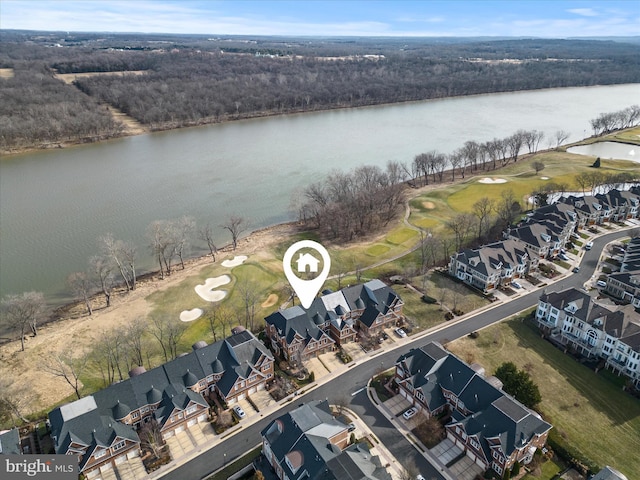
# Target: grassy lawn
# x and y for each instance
(590, 411)
(377, 250)
(401, 236)
(548, 470)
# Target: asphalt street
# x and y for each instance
(354, 379)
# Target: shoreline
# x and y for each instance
(11, 152)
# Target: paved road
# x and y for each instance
(343, 386)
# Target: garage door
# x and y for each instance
(241, 397)
(106, 467)
(180, 429)
(480, 462)
(252, 390)
(132, 454)
(92, 473)
(121, 459)
(192, 422)
(167, 435)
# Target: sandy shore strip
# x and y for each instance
(235, 261)
(207, 291)
(191, 315)
(490, 181)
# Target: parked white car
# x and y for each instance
(601, 283)
(400, 332)
(410, 413)
(239, 412)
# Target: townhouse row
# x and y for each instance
(333, 319)
(491, 427)
(102, 429)
(612, 333)
(541, 235)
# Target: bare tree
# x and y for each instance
(183, 229)
(206, 234)
(80, 284)
(235, 225)
(160, 242)
(507, 208)
(538, 166)
(13, 400)
(461, 225)
(561, 136)
(248, 290)
(583, 180)
(22, 312)
(134, 340)
(483, 209)
(168, 331)
(151, 437)
(456, 160)
(67, 367)
(113, 249)
(218, 315)
(103, 272)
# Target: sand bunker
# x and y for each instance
(238, 260)
(190, 315)
(544, 178)
(429, 205)
(207, 291)
(270, 301)
(492, 180)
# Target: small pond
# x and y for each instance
(609, 150)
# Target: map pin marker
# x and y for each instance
(306, 290)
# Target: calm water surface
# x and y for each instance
(612, 150)
(54, 204)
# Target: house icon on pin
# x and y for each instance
(307, 260)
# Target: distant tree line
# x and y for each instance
(192, 79)
(37, 110)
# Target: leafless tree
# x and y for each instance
(235, 225)
(248, 290)
(456, 160)
(13, 401)
(80, 284)
(218, 315)
(114, 250)
(183, 230)
(532, 139)
(23, 311)
(151, 437)
(65, 366)
(514, 144)
(583, 180)
(483, 209)
(206, 234)
(103, 273)
(134, 336)
(168, 331)
(161, 240)
(561, 136)
(507, 208)
(538, 166)
(461, 226)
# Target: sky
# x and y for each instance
(459, 18)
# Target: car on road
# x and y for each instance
(410, 413)
(400, 332)
(575, 269)
(588, 245)
(420, 477)
(239, 412)
(516, 284)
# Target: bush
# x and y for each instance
(428, 299)
(474, 335)
(448, 316)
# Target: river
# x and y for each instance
(55, 203)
